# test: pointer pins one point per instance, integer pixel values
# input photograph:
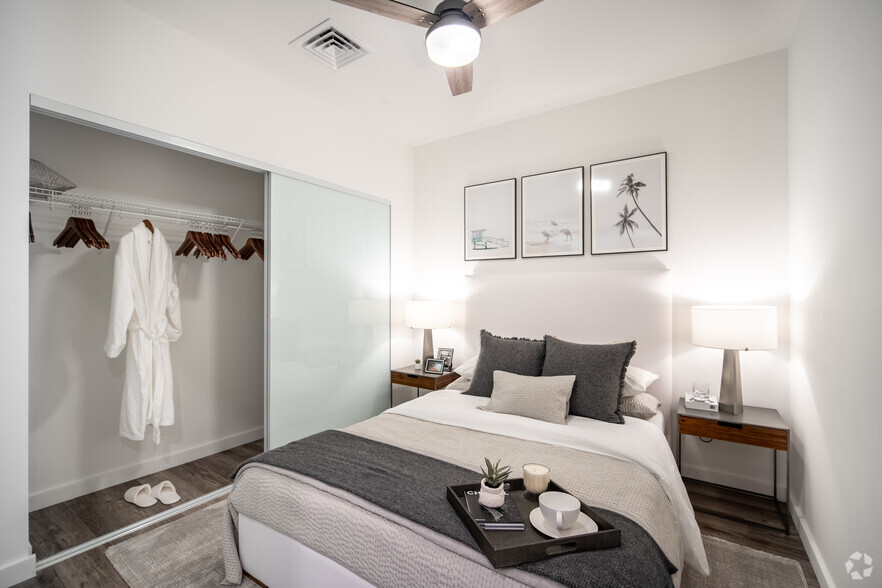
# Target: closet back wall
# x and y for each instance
(75, 389)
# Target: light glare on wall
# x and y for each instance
(600, 185)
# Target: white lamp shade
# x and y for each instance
(434, 314)
(453, 41)
(735, 327)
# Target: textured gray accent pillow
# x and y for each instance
(43, 176)
(545, 398)
(642, 406)
(516, 356)
(599, 371)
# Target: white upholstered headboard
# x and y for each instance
(583, 307)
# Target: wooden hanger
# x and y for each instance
(80, 229)
(228, 243)
(188, 244)
(148, 224)
(91, 232)
(252, 246)
(201, 244)
(215, 243)
(206, 247)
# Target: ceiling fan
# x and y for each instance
(454, 38)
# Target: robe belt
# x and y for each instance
(156, 385)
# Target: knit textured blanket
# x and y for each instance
(382, 502)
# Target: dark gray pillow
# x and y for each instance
(523, 357)
(600, 375)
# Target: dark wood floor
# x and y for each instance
(94, 569)
(67, 524)
(753, 508)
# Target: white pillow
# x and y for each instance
(546, 398)
(467, 369)
(642, 406)
(637, 381)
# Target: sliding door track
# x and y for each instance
(152, 520)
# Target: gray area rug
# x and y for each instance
(187, 552)
(736, 566)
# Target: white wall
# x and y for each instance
(835, 209)
(106, 57)
(75, 389)
(725, 132)
(16, 561)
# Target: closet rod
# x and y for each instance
(84, 201)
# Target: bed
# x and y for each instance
(287, 527)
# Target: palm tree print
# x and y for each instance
(626, 225)
(632, 189)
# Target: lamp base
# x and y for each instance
(730, 384)
(428, 345)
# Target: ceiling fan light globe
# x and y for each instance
(453, 41)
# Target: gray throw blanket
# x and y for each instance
(387, 476)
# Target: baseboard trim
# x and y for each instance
(811, 547)
(44, 498)
(19, 571)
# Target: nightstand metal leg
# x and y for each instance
(679, 451)
(785, 514)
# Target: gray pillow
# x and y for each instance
(523, 357)
(600, 375)
(43, 176)
(542, 398)
(642, 406)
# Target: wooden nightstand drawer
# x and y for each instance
(736, 433)
(407, 377)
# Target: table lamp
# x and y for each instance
(733, 328)
(428, 315)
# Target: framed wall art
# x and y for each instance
(552, 212)
(490, 221)
(629, 205)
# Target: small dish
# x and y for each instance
(583, 525)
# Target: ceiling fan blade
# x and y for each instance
(393, 9)
(460, 79)
(486, 12)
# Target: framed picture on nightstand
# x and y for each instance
(434, 366)
(446, 353)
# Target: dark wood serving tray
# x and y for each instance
(510, 548)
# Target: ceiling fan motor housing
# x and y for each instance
(453, 40)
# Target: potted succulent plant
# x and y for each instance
(492, 493)
(416, 364)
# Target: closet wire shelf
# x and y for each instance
(84, 204)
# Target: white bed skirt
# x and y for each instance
(277, 560)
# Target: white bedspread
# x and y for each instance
(636, 441)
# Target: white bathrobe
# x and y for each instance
(144, 307)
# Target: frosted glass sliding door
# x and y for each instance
(328, 328)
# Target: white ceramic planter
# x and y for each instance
(491, 497)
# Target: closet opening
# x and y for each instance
(80, 465)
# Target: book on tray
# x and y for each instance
(505, 518)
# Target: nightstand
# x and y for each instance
(406, 376)
(760, 427)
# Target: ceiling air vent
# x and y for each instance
(330, 44)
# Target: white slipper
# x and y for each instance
(165, 493)
(140, 496)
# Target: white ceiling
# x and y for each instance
(556, 53)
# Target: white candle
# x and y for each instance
(536, 478)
